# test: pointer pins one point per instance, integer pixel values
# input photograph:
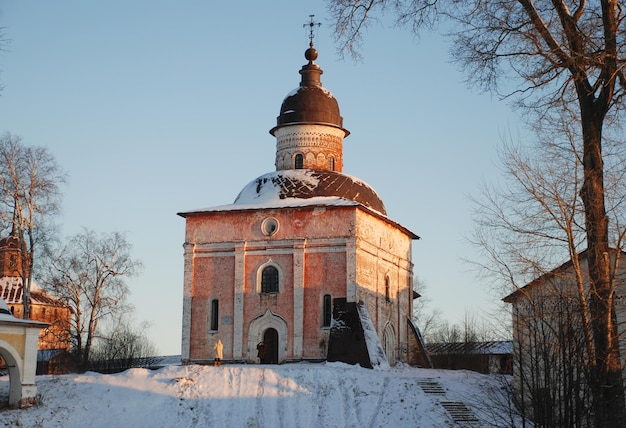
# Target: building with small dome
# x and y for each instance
(305, 264)
(19, 338)
(53, 343)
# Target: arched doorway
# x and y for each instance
(270, 340)
(256, 335)
(11, 393)
(389, 343)
(21, 365)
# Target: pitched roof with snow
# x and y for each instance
(307, 184)
(294, 188)
(11, 292)
(302, 187)
(7, 318)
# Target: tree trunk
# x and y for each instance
(607, 390)
(26, 264)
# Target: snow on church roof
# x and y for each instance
(6, 317)
(280, 203)
(305, 187)
(307, 184)
(11, 293)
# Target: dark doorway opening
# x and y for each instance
(270, 340)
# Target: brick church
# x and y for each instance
(53, 342)
(305, 264)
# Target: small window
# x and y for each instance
(387, 296)
(327, 310)
(299, 164)
(269, 226)
(331, 163)
(215, 309)
(269, 280)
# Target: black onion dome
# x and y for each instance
(307, 184)
(310, 103)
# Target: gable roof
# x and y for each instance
(522, 292)
(299, 188)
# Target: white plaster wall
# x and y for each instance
(315, 142)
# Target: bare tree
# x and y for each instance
(3, 42)
(525, 227)
(426, 319)
(121, 346)
(30, 178)
(472, 328)
(567, 55)
(89, 275)
(552, 373)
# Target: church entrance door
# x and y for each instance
(270, 340)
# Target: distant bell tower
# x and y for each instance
(10, 257)
(309, 129)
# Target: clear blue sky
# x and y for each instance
(156, 107)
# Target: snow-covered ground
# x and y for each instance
(290, 395)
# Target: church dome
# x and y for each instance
(310, 103)
(306, 184)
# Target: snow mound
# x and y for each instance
(303, 395)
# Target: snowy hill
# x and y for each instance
(290, 395)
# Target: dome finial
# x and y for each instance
(312, 24)
(311, 72)
(311, 53)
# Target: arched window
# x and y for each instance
(215, 309)
(327, 310)
(269, 280)
(387, 296)
(331, 163)
(299, 161)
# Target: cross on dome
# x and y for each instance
(312, 24)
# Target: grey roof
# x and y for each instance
(485, 348)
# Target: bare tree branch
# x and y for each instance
(89, 275)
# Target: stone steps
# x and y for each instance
(430, 386)
(461, 415)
